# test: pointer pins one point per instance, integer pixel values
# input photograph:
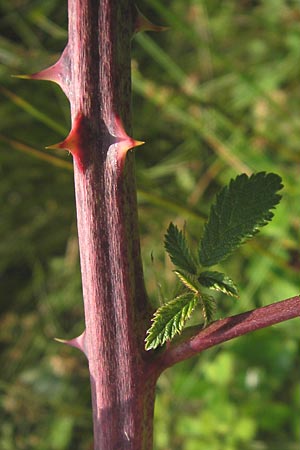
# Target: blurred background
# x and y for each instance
(216, 95)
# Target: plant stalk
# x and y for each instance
(115, 301)
(195, 340)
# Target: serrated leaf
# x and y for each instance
(218, 281)
(188, 280)
(170, 319)
(178, 250)
(208, 308)
(240, 209)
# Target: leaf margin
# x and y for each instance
(206, 256)
(162, 331)
(178, 249)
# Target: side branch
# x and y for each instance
(225, 329)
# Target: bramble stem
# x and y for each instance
(115, 302)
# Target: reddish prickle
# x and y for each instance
(74, 143)
(78, 342)
(122, 139)
(59, 73)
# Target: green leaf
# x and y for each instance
(208, 304)
(178, 250)
(218, 281)
(240, 209)
(170, 319)
(188, 280)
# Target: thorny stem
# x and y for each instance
(115, 301)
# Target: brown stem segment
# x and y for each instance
(115, 302)
(225, 329)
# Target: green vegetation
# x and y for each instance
(215, 96)
(240, 209)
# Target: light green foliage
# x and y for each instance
(188, 280)
(170, 319)
(240, 209)
(208, 306)
(219, 282)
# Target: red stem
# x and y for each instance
(115, 302)
(225, 329)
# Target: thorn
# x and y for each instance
(73, 142)
(129, 144)
(78, 342)
(49, 74)
(23, 77)
(119, 130)
(58, 72)
(143, 24)
(124, 141)
(57, 146)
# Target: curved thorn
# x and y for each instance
(58, 73)
(143, 24)
(73, 142)
(124, 141)
(78, 342)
